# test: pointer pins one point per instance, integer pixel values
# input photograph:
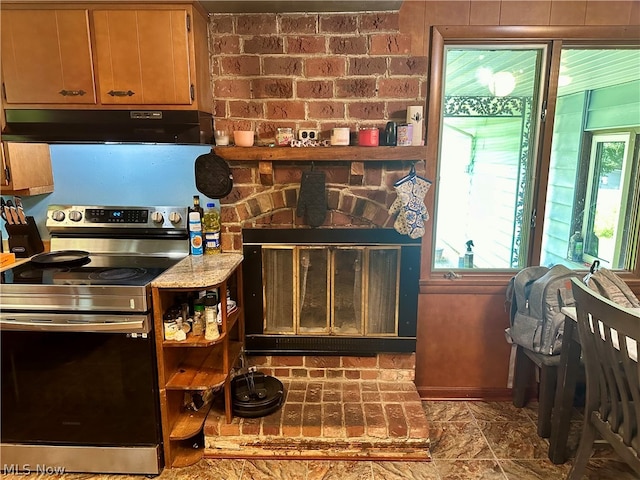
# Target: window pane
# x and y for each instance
(593, 174)
(487, 147)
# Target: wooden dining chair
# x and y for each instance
(608, 334)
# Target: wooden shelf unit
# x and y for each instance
(316, 154)
(193, 365)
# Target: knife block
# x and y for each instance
(24, 240)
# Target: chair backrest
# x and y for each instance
(609, 334)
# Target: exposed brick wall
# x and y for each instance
(311, 71)
(354, 199)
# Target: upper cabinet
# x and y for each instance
(109, 56)
(143, 57)
(46, 57)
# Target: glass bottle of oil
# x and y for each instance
(211, 230)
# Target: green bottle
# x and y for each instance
(211, 230)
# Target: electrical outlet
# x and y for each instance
(308, 134)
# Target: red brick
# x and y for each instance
(353, 419)
(371, 397)
(295, 396)
(250, 426)
(312, 420)
(324, 110)
(313, 393)
(219, 108)
(335, 373)
(379, 22)
(399, 88)
(367, 65)
(292, 419)
(316, 373)
(351, 392)
(359, 362)
(390, 44)
(314, 89)
(373, 176)
(263, 45)
(348, 45)
(393, 361)
(307, 44)
(397, 423)
(356, 88)
(338, 23)
(242, 109)
(352, 374)
(220, 24)
(240, 65)
(331, 394)
(282, 372)
(232, 88)
(366, 110)
(272, 87)
(325, 67)
(289, 361)
(285, 218)
(212, 424)
(291, 66)
(322, 361)
(285, 110)
(271, 423)
(255, 25)
(281, 217)
(417, 420)
(230, 429)
(408, 66)
(332, 420)
(376, 425)
(285, 176)
(298, 24)
(226, 45)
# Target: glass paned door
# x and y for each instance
(487, 155)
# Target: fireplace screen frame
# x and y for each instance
(259, 340)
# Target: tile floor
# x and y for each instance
(469, 441)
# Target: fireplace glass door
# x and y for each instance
(335, 290)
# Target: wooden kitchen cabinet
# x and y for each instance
(196, 364)
(143, 57)
(46, 57)
(105, 56)
(26, 169)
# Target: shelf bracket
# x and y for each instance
(356, 173)
(265, 170)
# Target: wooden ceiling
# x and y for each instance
(306, 6)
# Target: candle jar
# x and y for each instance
(284, 136)
(368, 137)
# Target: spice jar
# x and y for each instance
(198, 318)
(170, 326)
(211, 331)
(284, 136)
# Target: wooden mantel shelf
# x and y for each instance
(314, 154)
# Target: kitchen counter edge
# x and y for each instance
(199, 271)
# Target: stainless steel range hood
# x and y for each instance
(118, 126)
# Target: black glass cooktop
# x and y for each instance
(113, 270)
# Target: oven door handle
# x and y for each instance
(43, 322)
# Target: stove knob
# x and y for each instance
(157, 217)
(75, 215)
(57, 215)
(175, 217)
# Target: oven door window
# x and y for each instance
(79, 388)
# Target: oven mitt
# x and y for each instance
(409, 206)
(312, 202)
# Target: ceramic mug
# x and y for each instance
(243, 138)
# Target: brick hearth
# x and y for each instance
(330, 416)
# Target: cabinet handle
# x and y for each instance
(120, 93)
(72, 93)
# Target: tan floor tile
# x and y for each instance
(405, 471)
(601, 469)
(496, 411)
(469, 470)
(274, 470)
(514, 440)
(336, 470)
(458, 440)
(447, 411)
(535, 469)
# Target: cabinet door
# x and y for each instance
(26, 168)
(46, 57)
(143, 57)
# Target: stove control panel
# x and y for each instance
(60, 217)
